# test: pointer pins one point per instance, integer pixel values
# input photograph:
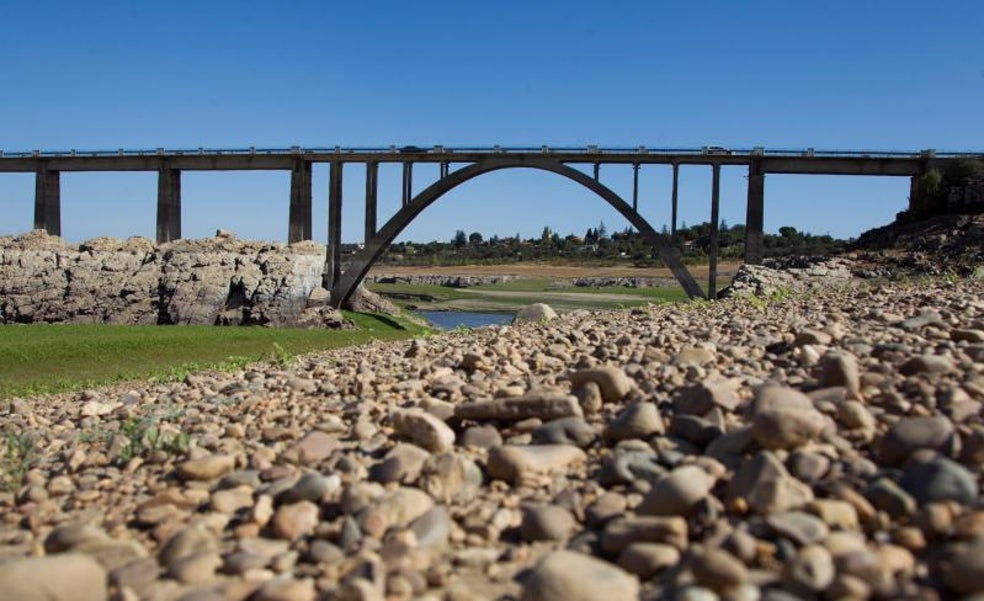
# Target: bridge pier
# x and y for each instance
(755, 215)
(673, 201)
(407, 183)
(299, 220)
(168, 205)
(712, 255)
(47, 201)
(372, 191)
(333, 263)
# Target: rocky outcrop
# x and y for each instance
(450, 281)
(789, 274)
(220, 281)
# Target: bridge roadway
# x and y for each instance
(469, 163)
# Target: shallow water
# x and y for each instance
(448, 320)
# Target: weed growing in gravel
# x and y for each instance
(280, 357)
(18, 456)
(143, 439)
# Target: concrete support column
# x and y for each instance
(47, 201)
(755, 215)
(372, 191)
(333, 263)
(916, 208)
(299, 220)
(635, 187)
(168, 205)
(673, 218)
(407, 183)
(712, 256)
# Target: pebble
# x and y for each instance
(646, 560)
(678, 493)
(566, 430)
(64, 577)
(206, 468)
(910, 434)
(940, 480)
(718, 570)
(700, 398)
(544, 405)
(572, 576)
(423, 429)
(966, 572)
(512, 462)
(547, 522)
(612, 381)
(294, 520)
(638, 420)
(312, 449)
(784, 418)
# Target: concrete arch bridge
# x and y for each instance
(470, 163)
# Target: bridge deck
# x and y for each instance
(805, 161)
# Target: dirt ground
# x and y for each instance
(548, 270)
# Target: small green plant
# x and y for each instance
(143, 439)
(18, 456)
(280, 357)
(462, 329)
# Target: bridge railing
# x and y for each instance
(589, 150)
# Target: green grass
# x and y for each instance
(48, 358)
(527, 291)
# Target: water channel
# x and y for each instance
(449, 320)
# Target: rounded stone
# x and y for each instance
(718, 570)
(63, 577)
(940, 480)
(547, 522)
(678, 493)
(295, 520)
(572, 576)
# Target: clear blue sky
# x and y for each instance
(180, 74)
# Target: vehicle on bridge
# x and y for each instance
(716, 150)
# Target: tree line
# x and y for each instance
(598, 244)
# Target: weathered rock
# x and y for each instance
(940, 480)
(65, 577)
(424, 429)
(206, 468)
(535, 312)
(571, 576)
(547, 522)
(678, 493)
(718, 570)
(313, 448)
(646, 560)
(767, 487)
(295, 520)
(622, 532)
(701, 398)
(966, 573)
(784, 418)
(913, 433)
(638, 420)
(611, 381)
(566, 430)
(396, 508)
(512, 462)
(545, 405)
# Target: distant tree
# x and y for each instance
(602, 231)
(591, 236)
(475, 238)
(664, 230)
(788, 232)
(460, 239)
(546, 235)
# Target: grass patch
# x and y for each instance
(48, 358)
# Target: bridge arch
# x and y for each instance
(364, 259)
